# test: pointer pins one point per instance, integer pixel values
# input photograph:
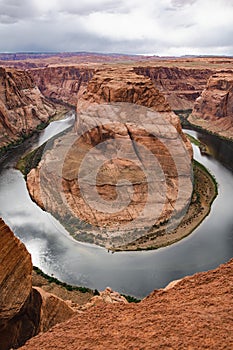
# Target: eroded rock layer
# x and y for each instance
(181, 86)
(113, 130)
(22, 106)
(213, 110)
(196, 313)
(62, 83)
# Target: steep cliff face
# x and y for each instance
(119, 136)
(213, 110)
(62, 83)
(181, 86)
(24, 311)
(22, 106)
(195, 314)
(123, 85)
(15, 265)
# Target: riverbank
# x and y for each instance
(188, 121)
(61, 111)
(204, 192)
(75, 294)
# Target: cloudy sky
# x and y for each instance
(160, 27)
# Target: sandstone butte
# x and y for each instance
(110, 86)
(213, 110)
(26, 95)
(22, 106)
(194, 313)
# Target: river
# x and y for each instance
(134, 273)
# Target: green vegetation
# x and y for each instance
(68, 287)
(131, 299)
(30, 160)
(194, 140)
(213, 179)
(13, 144)
(183, 115)
(42, 125)
(202, 146)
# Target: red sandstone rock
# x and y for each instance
(15, 265)
(24, 311)
(181, 86)
(62, 83)
(213, 110)
(22, 106)
(195, 314)
(128, 130)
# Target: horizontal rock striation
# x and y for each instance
(213, 110)
(112, 112)
(196, 313)
(62, 83)
(181, 86)
(22, 106)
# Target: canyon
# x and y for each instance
(194, 312)
(213, 110)
(125, 130)
(181, 86)
(62, 83)
(27, 96)
(22, 106)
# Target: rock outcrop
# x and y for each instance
(108, 296)
(125, 127)
(195, 314)
(15, 265)
(24, 310)
(213, 110)
(62, 83)
(181, 86)
(22, 106)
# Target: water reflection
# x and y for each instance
(135, 273)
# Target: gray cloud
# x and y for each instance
(180, 3)
(90, 6)
(163, 27)
(13, 10)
